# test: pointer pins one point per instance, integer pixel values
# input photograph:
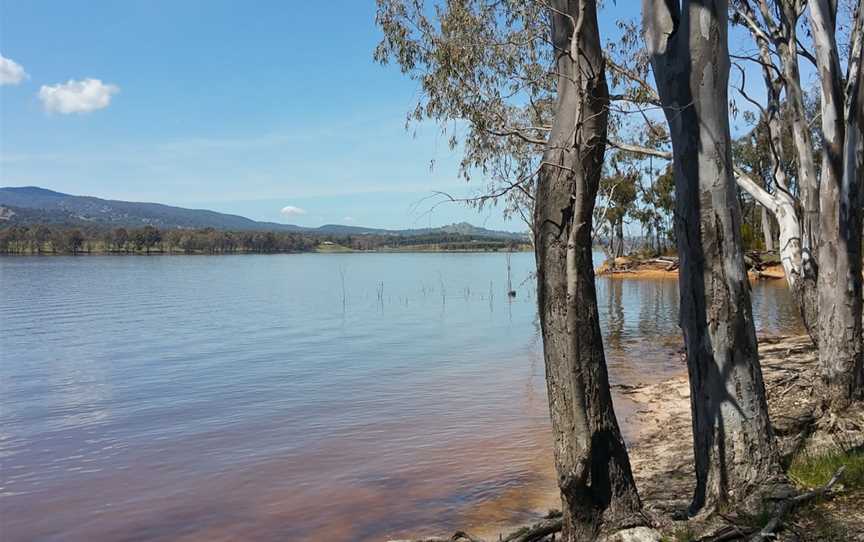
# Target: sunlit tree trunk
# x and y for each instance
(733, 442)
(597, 488)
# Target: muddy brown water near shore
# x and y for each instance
(242, 398)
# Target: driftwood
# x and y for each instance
(670, 262)
(758, 261)
(534, 533)
(627, 265)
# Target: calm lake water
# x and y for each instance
(255, 398)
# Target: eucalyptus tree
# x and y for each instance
(774, 28)
(484, 73)
(839, 283)
(820, 245)
(591, 459)
(527, 80)
(620, 187)
(733, 442)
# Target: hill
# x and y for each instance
(34, 205)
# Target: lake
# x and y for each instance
(338, 397)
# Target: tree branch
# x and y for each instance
(638, 149)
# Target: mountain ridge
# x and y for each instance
(32, 204)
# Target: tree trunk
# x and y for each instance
(733, 441)
(619, 238)
(797, 232)
(598, 492)
(839, 281)
(767, 230)
(807, 178)
(803, 288)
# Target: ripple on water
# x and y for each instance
(187, 398)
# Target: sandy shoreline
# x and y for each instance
(657, 269)
(656, 420)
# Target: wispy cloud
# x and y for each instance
(11, 73)
(348, 218)
(291, 210)
(77, 96)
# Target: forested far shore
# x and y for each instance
(51, 239)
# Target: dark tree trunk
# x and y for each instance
(733, 441)
(839, 280)
(597, 488)
(619, 238)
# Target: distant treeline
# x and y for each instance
(54, 239)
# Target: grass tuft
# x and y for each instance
(683, 533)
(815, 471)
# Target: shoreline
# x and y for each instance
(667, 268)
(660, 442)
(250, 253)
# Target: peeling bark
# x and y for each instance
(733, 442)
(597, 488)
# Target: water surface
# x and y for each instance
(291, 397)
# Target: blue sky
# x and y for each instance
(242, 107)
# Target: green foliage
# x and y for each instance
(486, 75)
(484, 72)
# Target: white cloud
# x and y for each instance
(290, 210)
(11, 73)
(348, 218)
(77, 96)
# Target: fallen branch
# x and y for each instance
(769, 528)
(534, 533)
(458, 536)
(538, 531)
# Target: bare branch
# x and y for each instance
(666, 155)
